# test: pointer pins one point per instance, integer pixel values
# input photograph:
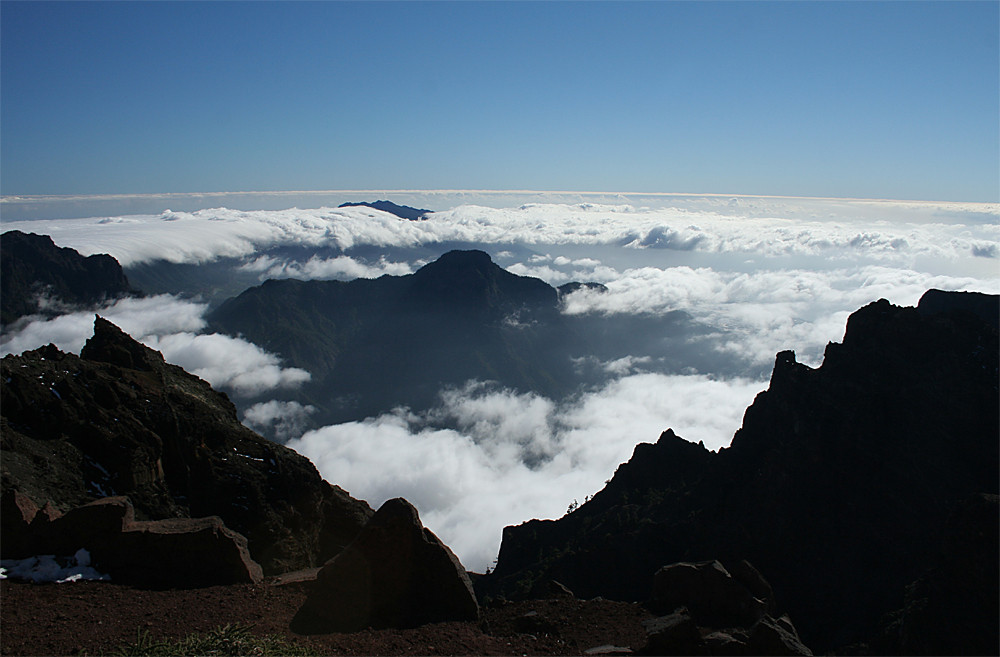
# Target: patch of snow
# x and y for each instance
(49, 568)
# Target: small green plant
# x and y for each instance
(227, 640)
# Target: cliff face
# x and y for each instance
(118, 420)
(33, 267)
(838, 486)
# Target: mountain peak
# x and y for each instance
(112, 345)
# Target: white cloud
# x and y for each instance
(758, 313)
(147, 316)
(508, 457)
(340, 267)
(167, 324)
(227, 362)
(285, 419)
(771, 227)
(759, 274)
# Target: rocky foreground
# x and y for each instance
(859, 500)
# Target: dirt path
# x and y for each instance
(87, 617)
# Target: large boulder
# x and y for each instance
(183, 553)
(396, 573)
(713, 596)
(168, 553)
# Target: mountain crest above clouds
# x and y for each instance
(374, 344)
(36, 276)
(845, 485)
(401, 211)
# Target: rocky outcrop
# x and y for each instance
(712, 612)
(36, 276)
(709, 592)
(838, 486)
(170, 553)
(118, 420)
(395, 574)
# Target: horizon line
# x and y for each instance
(14, 198)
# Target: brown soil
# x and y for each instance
(90, 617)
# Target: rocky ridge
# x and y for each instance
(839, 486)
(118, 420)
(36, 276)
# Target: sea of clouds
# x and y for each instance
(759, 274)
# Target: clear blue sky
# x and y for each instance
(892, 100)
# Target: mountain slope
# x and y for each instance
(118, 420)
(375, 344)
(838, 487)
(34, 272)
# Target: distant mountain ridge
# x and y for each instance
(376, 344)
(844, 486)
(401, 211)
(33, 268)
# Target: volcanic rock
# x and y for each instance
(838, 486)
(395, 574)
(711, 595)
(170, 553)
(118, 420)
(36, 276)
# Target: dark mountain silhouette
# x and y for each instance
(845, 485)
(372, 345)
(36, 276)
(118, 420)
(375, 344)
(401, 211)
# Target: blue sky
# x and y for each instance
(872, 100)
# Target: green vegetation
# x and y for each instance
(226, 640)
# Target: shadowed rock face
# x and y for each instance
(32, 266)
(837, 487)
(118, 420)
(372, 345)
(395, 574)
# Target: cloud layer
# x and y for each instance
(751, 276)
(766, 227)
(486, 458)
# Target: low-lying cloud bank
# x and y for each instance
(170, 326)
(340, 267)
(808, 227)
(486, 458)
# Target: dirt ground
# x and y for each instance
(90, 617)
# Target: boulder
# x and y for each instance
(96, 526)
(674, 634)
(170, 553)
(396, 573)
(183, 553)
(711, 594)
(776, 636)
(16, 513)
(549, 589)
